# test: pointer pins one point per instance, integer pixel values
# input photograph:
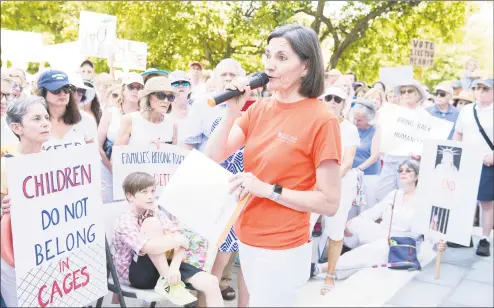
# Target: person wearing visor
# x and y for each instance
(70, 126)
(153, 72)
(442, 108)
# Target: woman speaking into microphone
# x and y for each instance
(292, 165)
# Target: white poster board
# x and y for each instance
(198, 196)
(160, 163)
(422, 53)
(130, 55)
(21, 46)
(447, 191)
(56, 55)
(97, 32)
(392, 76)
(404, 130)
(58, 232)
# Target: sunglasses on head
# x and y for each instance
(180, 83)
(132, 87)
(8, 96)
(161, 96)
(480, 88)
(409, 91)
(405, 170)
(64, 89)
(330, 97)
(440, 93)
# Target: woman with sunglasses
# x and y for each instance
(151, 124)
(8, 141)
(111, 97)
(29, 120)
(180, 81)
(369, 238)
(410, 94)
(332, 235)
(127, 102)
(69, 126)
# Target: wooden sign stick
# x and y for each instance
(438, 264)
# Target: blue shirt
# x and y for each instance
(451, 115)
(364, 151)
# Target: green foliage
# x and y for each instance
(362, 35)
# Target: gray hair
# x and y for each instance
(305, 43)
(18, 108)
(365, 107)
(238, 69)
(412, 163)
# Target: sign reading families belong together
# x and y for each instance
(58, 234)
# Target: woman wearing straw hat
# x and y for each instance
(462, 99)
(151, 124)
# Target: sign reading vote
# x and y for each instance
(160, 163)
(422, 53)
(58, 234)
(404, 130)
(96, 33)
(447, 190)
(130, 55)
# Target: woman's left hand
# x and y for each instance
(243, 183)
(441, 246)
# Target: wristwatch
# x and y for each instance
(276, 194)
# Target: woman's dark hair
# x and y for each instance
(88, 62)
(384, 87)
(71, 115)
(305, 42)
(95, 105)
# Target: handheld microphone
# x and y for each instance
(258, 80)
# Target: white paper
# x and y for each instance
(198, 196)
(130, 55)
(97, 33)
(447, 191)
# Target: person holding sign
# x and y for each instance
(30, 122)
(149, 248)
(292, 159)
(475, 128)
(411, 94)
(151, 124)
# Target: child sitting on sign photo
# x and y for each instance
(150, 248)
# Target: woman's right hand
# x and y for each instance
(236, 104)
(5, 208)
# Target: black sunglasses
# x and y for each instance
(176, 84)
(64, 89)
(114, 95)
(132, 87)
(330, 97)
(161, 96)
(484, 89)
(405, 170)
(440, 93)
(409, 91)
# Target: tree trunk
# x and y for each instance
(316, 24)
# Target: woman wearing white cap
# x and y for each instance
(109, 126)
(411, 94)
(151, 124)
(335, 225)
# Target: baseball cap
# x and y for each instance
(154, 71)
(335, 90)
(52, 80)
(131, 78)
(488, 82)
(178, 76)
(444, 86)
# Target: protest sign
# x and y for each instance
(422, 53)
(198, 196)
(97, 32)
(130, 55)
(160, 163)
(21, 46)
(392, 76)
(404, 129)
(58, 233)
(56, 55)
(447, 191)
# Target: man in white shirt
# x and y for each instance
(198, 85)
(480, 135)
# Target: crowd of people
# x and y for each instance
(306, 154)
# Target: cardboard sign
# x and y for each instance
(58, 232)
(130, 55)
(404, 130)
(422, 53)
(392, 76)
(160, 163)
(447, 191)
(21, 46)
(198, 196)
(97, 32)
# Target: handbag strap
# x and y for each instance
(481, 129)
(391, 222)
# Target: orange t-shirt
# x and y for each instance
(284, 145)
